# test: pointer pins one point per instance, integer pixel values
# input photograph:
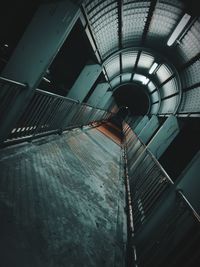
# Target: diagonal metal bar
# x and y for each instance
(191, 87)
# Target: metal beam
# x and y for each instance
(149, 130)
(141, 125)
(120, 17)
(136, 63)
(98, 94)
(169, 96)
(191, 87)
(84, 82)
(148, 21)
(84, 13)
(164, 136)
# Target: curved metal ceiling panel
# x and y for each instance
(145, 61)
(112, 67)
(189, 45)
(128, 60)
(169, 105)
(103, 19)
(126, 77)
(154, 108)
(191, 101)
(115, 82)
(154, 97)
(191, 75)
(122, 30)
(169, 88)
(151, 86)
(163, 73)
(163, 22)
(134, 17)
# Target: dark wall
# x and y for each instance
(134, 97)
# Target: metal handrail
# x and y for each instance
(69, 99)
(195, 213)
(154, 158)
(12, 81)
(159, 165)
(50, 93)
(46, 112)
(55, 95)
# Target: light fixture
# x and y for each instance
(140, 78)
(153, 67)
(178, 30)
(145, 81)
(46, 80)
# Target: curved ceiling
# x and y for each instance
(130, 36)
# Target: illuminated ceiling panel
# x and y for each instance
(103, 18)
(169, 105)
(126, 77)
(189, 46)
(154, 97)
(134, 18)
(112, 67)
(191, 101)
(151, 86)
(136, 23)
(164, 20)
(169, 88)
(128, 60)
(163, 73)
(145, 61)
(115, 82)
(191, 75)
(140, 78)
(154, 108)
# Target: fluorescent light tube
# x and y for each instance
(179, 28)
(145, 81)
(153, 67)
(46, 80)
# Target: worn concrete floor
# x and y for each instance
(62, 202)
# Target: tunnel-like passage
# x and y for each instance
(134, 97)
(86, 65)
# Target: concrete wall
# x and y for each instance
(149, 129)
(41, 42)
(164, 136)
(98, 94)
(84, 82)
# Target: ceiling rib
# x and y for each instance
(148, 21)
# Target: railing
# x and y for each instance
(172, 238)
(148, 180)
(9, 91)
(176, 241)
(46, 112)
(163, 229)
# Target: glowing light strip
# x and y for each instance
(153, 67)
(179, 28)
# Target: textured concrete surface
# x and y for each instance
(62, 202)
